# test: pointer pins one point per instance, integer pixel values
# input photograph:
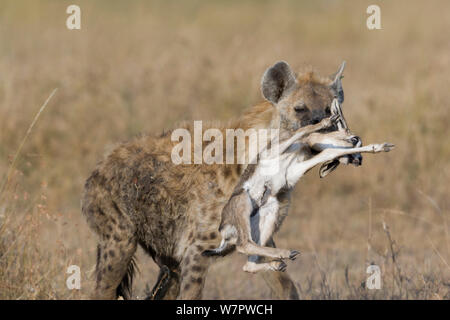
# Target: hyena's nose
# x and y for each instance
(316, 120)
(317, 116)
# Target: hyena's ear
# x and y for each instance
(277, 81)
(336, 84)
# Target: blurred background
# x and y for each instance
(142, 66)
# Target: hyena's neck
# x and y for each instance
(228, 175)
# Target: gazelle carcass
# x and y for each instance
(250, 217)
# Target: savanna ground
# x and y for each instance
(142, 66)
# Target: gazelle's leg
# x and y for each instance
(266, 224)
(251, 248)
(325, 123)
(280, 283)
(263, 225)
(297, 170)
(254, 267)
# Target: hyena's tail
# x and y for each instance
(125, 287)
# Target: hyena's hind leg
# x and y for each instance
(115, 269)
(116, 247)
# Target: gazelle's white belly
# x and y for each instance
(271, 174)
(263, 223)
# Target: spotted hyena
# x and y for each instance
(137, 196)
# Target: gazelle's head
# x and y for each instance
(341, 138)
(300, 100)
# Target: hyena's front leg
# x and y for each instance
(167, 286)
(280, 283)
(194, 267)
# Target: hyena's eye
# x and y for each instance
(327, 110)
(301, 109)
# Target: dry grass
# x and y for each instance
(144, 66)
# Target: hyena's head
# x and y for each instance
(301, 100)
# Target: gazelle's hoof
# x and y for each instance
(334, 118)
(294, 254)
(281, 266)
(388, 147)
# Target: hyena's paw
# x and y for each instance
(293, 255)
(386, 147)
